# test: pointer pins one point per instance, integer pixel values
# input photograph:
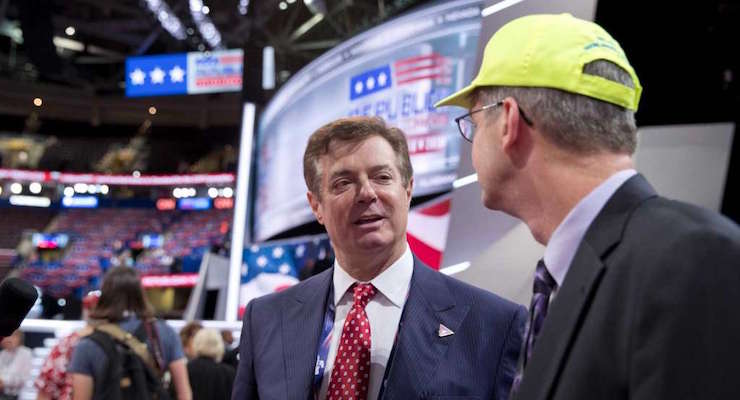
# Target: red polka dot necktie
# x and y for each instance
(350, 376)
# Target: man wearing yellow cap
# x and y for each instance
(636, 296)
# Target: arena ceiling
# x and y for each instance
(686, 55)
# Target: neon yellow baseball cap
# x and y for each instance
(550, 51)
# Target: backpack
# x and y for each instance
(131, 371)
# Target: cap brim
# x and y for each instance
(460, 98)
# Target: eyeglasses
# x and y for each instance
(467, 127)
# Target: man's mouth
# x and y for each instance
(368, 219)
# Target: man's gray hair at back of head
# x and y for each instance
(572, 121)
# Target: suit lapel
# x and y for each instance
(573, 299)
(301, 328)
(418, 349)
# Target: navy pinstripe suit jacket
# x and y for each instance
(281, 332)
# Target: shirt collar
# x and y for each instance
(567, 236)
(393, 283)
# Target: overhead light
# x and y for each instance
(316, 6)
(104, 189)
(207, 29)
(212, 193)
(227, 192)
(152, 110)
(16, 188)
(80, 188)
(91, 189)
(68, 44)
(37, 102)
(35, 187)
(243, 7)
(290, 1)
(167, 18)
(136, 174)
(70, 30)
(69, 191)
(307, 26)
(283, 5)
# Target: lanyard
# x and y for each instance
(322, 353)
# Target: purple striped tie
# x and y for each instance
(544, 285)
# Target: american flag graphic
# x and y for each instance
(423, 68)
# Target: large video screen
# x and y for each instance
(397, 71)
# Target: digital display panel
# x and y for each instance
(397, 71)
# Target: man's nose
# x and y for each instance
(366, 192)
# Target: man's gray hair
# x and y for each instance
(572, 121)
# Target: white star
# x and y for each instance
(370, 83)
(382, 78)
(284, 269)
(261, 261)
(137, 77)
(358, 87)
(277, 252)
(157, 75)
(177, 74)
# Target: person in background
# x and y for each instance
(122, 302)
(231, 352)
(186, 337)
(636, 295)
(15, 365)
(209, 378)
(53, 382)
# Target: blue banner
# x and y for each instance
(156, 75)
(184, 73)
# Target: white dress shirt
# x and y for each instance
(568, 235)
(383, 311)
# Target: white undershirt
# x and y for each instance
(383, 311)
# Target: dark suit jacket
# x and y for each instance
(648, 308)
(281, 332)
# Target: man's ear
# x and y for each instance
(313, 201)
(511, 135)
(410, 189)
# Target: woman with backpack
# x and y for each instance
(129, 351)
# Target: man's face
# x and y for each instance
(488, 160)
(363, 204)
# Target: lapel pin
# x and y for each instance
(445, 331)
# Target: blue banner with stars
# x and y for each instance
(157, 75)
(184, 73)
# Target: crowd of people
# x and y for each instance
(633, 298)
(185, 367)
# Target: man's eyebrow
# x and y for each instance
(381, 167)
(340, 173)
(347, 172)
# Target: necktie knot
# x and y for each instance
(363, 293)
(544, 283)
